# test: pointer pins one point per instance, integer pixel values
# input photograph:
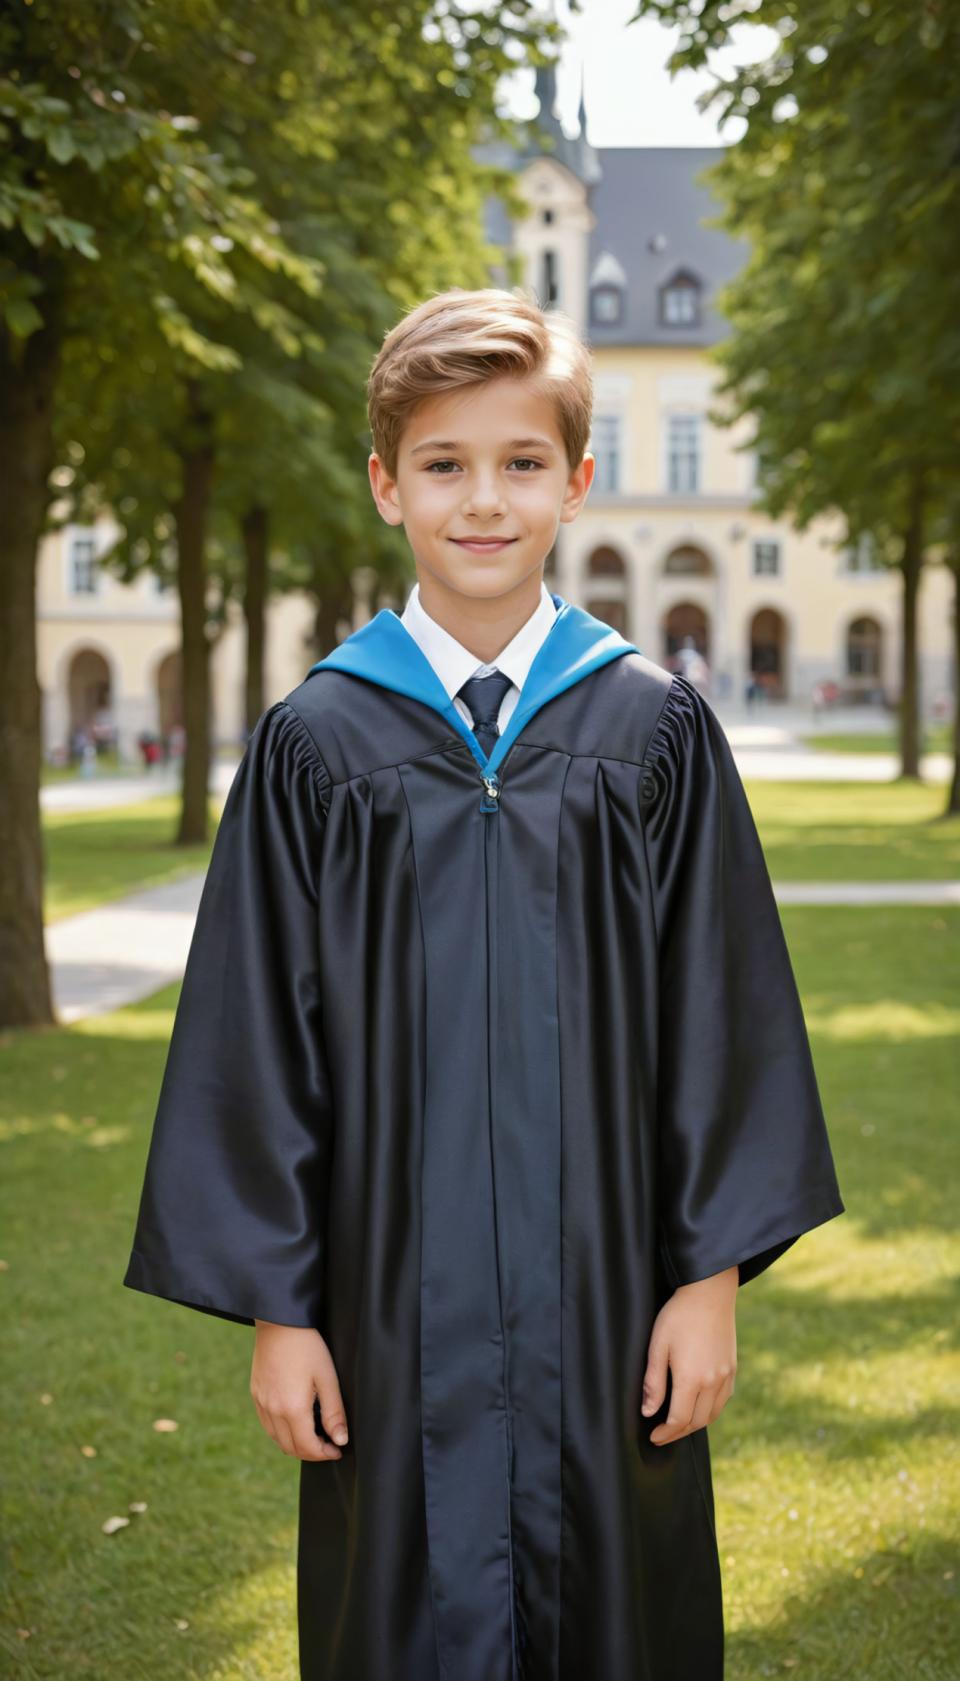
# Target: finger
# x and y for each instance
(306, 1442)
(265, 1420)
(723, 1394)
(282, 1433)
(332, 1413)
(655, 1377)
(682, 1402)
(704, 1410)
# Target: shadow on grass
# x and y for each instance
(884, 1615)
(215, 1546)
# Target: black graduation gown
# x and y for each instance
(474, 1062)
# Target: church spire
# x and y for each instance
(546, 91)
(574, 153)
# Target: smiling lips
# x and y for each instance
(483, 545)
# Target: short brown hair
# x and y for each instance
(460, 338)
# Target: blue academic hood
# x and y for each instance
(383, 651)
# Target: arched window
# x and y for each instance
(605, 562)
(687, 562)
(864, 638)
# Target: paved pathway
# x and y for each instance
(766, 751)
(124, 951)
(127, 950)
(94, 793)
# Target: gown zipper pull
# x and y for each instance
(491, 796)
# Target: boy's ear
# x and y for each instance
(578, 484)
(384, 490)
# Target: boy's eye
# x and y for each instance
(526, 459)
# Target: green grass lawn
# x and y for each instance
(845, 831)
(835, 1461)
(856, 831)
(938, 738)
(95, 856)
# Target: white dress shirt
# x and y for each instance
(453, 663)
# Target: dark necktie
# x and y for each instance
(483, 696)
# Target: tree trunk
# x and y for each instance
(910, 565)
(28, 380)
(332, 605)
(197, 457)
(953, 797)
(255, 526)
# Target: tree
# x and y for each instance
(845, 342)
(174, 200)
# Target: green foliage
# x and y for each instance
(846, 334)
(244, 198)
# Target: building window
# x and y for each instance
(683, 454)
(606, 305)
(680, 301)
(862, 555)
(863, 648)
(766, 560)
(546, 216)
(549, 278)
(83, 567)
(605, 444)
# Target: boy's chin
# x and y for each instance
(481, 578)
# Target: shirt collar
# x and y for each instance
(454, 663)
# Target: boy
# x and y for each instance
(489, 1082)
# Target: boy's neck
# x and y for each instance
(482, 625)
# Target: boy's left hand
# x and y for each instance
(695, 1334)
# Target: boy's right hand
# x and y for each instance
(291, 1365)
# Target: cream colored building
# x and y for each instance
(667, 548)
(109, 653)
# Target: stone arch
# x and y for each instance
(683, 620)
(605, 586)
(863, 655)
(767, 639)
(688, 560)
(605, 561)
(89, 690)
(168, 687)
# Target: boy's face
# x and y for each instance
(487, 463)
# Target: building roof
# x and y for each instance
(649, 212)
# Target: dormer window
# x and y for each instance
(606, 305)
(680, 300)
(608, 283)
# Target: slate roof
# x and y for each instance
(650, 211)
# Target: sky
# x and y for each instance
(630, 97)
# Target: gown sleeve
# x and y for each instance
(743, 1158)
(231, 1215)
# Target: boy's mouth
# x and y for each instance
(483, 545)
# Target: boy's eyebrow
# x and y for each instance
(457, 443)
